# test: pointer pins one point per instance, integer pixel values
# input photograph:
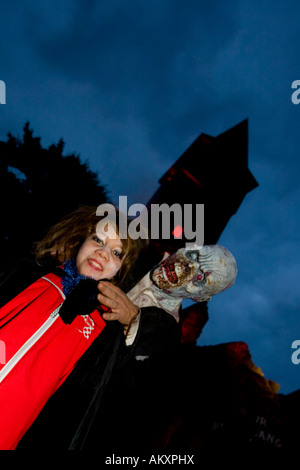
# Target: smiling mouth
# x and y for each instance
(95, 265)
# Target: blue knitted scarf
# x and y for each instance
(73, 278)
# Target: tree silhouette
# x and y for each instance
(38, 186)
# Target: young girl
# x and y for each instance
(42, 345)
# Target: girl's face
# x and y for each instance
(100, 256)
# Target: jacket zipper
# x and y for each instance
(29, 344)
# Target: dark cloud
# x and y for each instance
(140, 58)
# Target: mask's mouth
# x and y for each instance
(170, 273)
(173, 274)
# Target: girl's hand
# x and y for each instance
(122, 309)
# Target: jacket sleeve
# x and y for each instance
(157, 333)
(142, 392)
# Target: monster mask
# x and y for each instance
(197, 273)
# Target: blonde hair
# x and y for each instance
(64, 239)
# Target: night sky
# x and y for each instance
(129, 85)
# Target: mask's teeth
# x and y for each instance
(171, 274)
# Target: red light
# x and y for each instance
(177, 231)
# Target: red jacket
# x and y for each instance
(41, 351)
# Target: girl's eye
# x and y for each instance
(118, 254)
(98, 240)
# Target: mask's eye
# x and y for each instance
(200, 278)
(192, 255)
